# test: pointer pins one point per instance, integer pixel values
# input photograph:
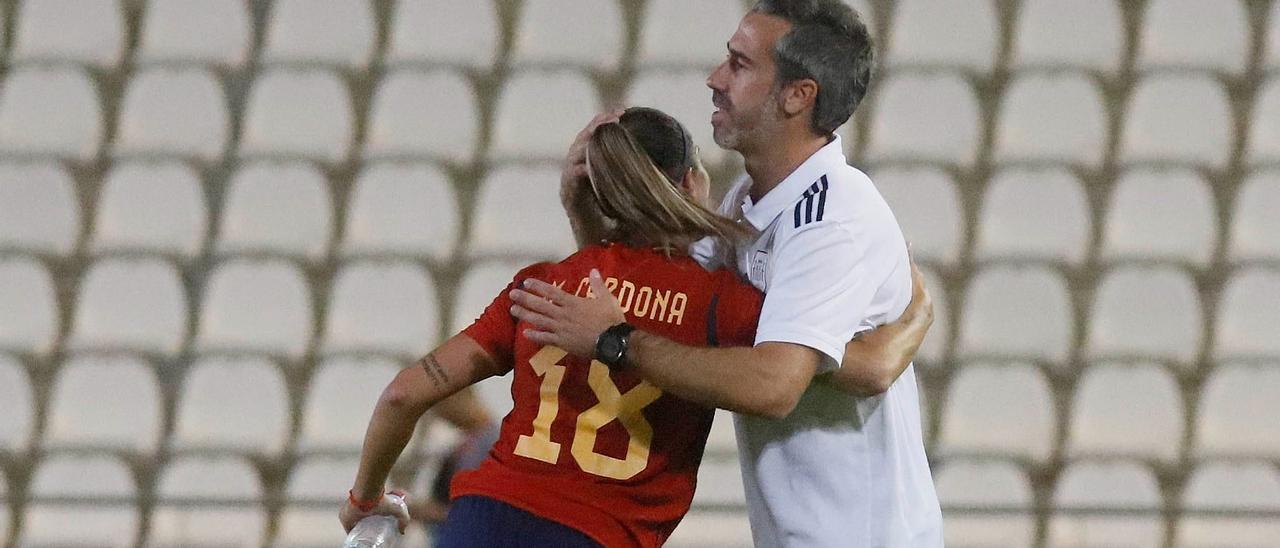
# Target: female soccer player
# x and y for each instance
(590, 454)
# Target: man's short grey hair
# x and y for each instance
(829, 44)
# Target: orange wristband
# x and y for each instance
(363, 505)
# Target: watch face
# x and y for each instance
(611, 348)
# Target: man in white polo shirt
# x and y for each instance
(821, 467)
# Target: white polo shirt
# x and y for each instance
(840, 471)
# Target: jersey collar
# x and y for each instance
(761, 214)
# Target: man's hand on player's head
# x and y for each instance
(573, 174)
(569, 322)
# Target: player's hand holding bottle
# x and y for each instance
(391, 504)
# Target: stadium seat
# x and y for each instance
(1227, 487)
(444, 31)
(20, 412)
(68, 31)
(538, 114)
(207, 502)
(711, 530)
(81, 501)
(1237, 411)
(1254, 223)
(331, 32)
(944, 33)
(151, 208)
(298, 114)
(1126, 410)
(402, 209)
(1149, 312)
(105, 402)
(39, 210)
(209, 32)
(721, 481)
(1190, 34)
(380, 307)
(28, 307)
(1264, 133)
(997, 305)
(1177, 118)
(1011, 222)
(1183, 229)
(308, 518)
(1248, 317)
(423, 114)
(933, 351)
(479, 286)
(131, 304)
(1052, 118)
(1102, 492)
(999, 410)
(173, 112)
(1040, 40)
(909, 109)
(998, 498)
(1271, 46)
(518, 212)
(687, 34)
(685, 96)
(256, 306)
(593, 38)
(279, 209)
(49, 112)
(722, 441)
(927, 205)
(340, 400)
(232, 404)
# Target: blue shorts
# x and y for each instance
(482, 522)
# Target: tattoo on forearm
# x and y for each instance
(433, 369)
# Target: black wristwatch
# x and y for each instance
(611, 346)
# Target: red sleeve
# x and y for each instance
(495, 329)
(738, 313)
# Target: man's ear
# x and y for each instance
(799, 96)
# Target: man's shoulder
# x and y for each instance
(841, 196)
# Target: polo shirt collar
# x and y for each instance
(761, 214)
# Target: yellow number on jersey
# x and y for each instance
(613, 404)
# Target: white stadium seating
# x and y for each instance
(236, 405)
(592, 38)
(1054, 118)
(256, 306)
(927, 205)
(1040, 40)
(1200, 134)
(207, 502)
(50, 112)
(20, 407)
(1248, 486)
(1236, 408)
(280, 209)
(212, 32)
(174, 112)
(333, 32)
(1253, 225)
(407, 209)
(1272, 44)
(954, 33)
(298, 113)
(39, 210)
(28, 306)
(1190, 34)
(1145, 311)
(1126, 410)
(1105, 489)
(131, 304)
(418, 114)
(340, 400)
(128, 218)
(1183, 229)
(518, 212)
(985, 484)
(692, 34)
(69, 31)
(81, 501)
(909, 109)
(1012, 221)
(105, 402)
(539, 113)
(997, 304)
(1247, 315)
(1264, 134)
(999, 410)
(386, 308)
(711, 530)
(444, 31)
(314, 480)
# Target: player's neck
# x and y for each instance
(768, 166)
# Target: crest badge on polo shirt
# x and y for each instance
(759, 267)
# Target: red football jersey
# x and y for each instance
(599, 451)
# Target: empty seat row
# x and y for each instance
(1108, 503)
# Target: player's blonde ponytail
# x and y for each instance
(645, 205)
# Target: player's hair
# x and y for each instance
(829, 44)
(635, 165)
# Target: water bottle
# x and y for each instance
(376, 531)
